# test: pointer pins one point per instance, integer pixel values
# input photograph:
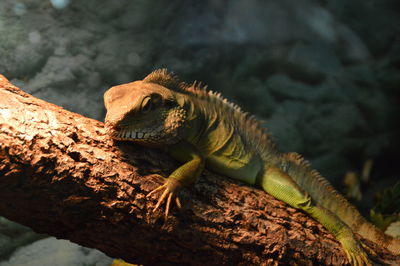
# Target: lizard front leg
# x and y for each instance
(184, 175)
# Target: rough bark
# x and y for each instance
(61, 174)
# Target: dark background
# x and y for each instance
(324, 75)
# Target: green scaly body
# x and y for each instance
(201, 129)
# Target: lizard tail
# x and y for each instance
(372, 233)
(325, 195)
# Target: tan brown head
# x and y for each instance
(143, 111)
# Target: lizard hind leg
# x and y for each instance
(280, 185)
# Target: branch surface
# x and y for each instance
(62, 175)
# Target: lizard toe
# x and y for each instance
(168, 193)
(357, 257)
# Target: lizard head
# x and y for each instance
(144, 112)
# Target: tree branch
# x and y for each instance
(61, 174)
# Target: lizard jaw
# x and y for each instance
(159, 131)
(129, 135)
(136, 134)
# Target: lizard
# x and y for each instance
(202, 129)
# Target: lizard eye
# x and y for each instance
(156, 98)
(147, 105)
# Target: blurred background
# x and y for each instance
(323, 75)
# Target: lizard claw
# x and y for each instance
(368, 249)
(355, 253)
(178, 202)
(169, 191)
(358, 259)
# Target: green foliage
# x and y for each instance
(387, 210)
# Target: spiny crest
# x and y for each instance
(171, 81)
(166, 79)
(297, 159)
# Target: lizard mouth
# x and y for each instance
(129, 133)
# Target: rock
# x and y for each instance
(51, 251)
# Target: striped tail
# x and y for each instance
(325, 195)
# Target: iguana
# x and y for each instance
(202, 129)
